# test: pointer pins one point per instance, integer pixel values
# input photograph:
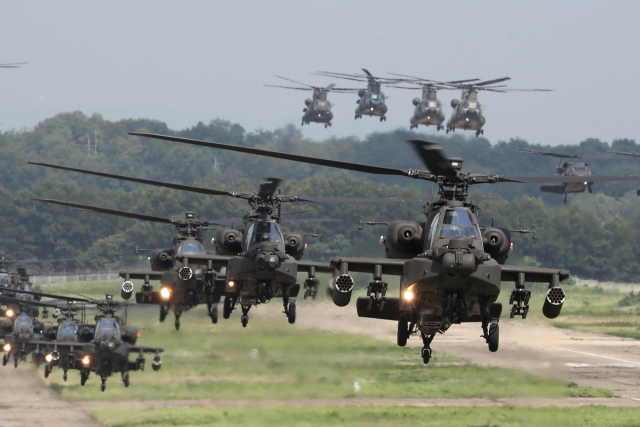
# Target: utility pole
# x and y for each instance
(95, 147)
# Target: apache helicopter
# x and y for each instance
(371, 101)
(106, 346)
(318, 109)
(574, 177)
(202, 288)
(450, 270)
(234, 248)
(428, 109)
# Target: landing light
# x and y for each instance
(467, 118)
(585, 183)
(48, 358)
(86, 360)
(408, 295)
(231, 283)
(9, 313)
(428, 117)
(7, 348)
(165, 293)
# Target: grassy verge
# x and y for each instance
(367, 416)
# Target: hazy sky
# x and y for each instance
(184, 62)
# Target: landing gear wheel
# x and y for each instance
(244, 320)
(326, 125)
(494, 337)
(214, 314)
(226, 307)
(15, 362)
(83, 378)
(426, 355)
(163, 313)
(64, 376)
(103, 386)
(5, 360)
(177, 322)
(382, 119)
(477, 133)
(125, 379)
(447, 130)
(291, 312)
(47, 371)
(403, 331)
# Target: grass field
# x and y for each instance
(272, 359)
(372, 416)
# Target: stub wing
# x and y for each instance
(217, 260)
(142, 274)
(143, 349)
(510, 273)
(321, 267)
(366, 265)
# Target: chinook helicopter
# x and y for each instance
(318, 109)
(371, 101)
(428, 109)
(450, 270)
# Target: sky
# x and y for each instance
(184, 62)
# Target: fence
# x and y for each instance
(75, 277)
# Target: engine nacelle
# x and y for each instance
(86, 332)
(416, 101)
(50, 332)
(404, 240)
(454, 103)
(342, 289)
(497, 243)
(294, 244)
(308, 101)
(553, 302)
(361, 92)
(7, 326)
(228, 242)
(162, 259)
(129, 334)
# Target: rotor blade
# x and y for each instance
(114, 212)
(463, 81)
(293, 81)
(143, 181)
(357, 167)
(585, 178)
(622, 153)
(529, 90)
(433, 157)
(331, 86)
(366, 199)
(269, 187)
(288, 87)
(22, 301)
(84, 296)
(547, 153)
(355, 79)
(13, 65)
(367, 72)
(489, 82)
(60, 297)
(312, 220)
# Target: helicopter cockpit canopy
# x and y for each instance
(5, 279)
(263, 231)
(455, 223)
(22, 322)
(579, 168)
(67, 328)
(190, 247)
(107, 326)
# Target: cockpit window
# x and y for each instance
(68, 329)
(5, 279)
(23, 322)
(322, 104)
(191, 247)
(108, 326)
(374, 96)
(433, 104)
(458, 223)
(266, 231)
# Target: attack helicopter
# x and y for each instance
(202, 288)
(318, 108)
(428, 109)
(234, 249)
(105, 347)
(573, 177)
(450, 270)
(371, 101)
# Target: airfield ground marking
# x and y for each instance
(599, 355)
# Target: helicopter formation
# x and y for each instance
(467, 111)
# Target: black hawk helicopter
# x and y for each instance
(371, 101)
(318, 108)
(573, 177)
(428, 109)
(450, 270)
